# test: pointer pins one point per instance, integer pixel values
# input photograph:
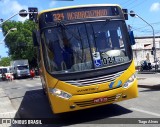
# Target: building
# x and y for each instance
(143, 47)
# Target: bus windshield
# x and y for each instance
(85, 46)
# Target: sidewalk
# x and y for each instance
(151, 82)
(6, 108)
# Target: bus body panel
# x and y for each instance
(60, 105)
(75, 90)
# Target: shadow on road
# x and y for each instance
(150, 88)
(35, 105)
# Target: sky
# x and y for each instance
(149, 10)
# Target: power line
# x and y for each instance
(147, 30)
(141, 27)
(146, 25)
(136, 5)
(125, 2)
(154, 23)
(129, 3)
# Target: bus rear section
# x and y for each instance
(85, 57)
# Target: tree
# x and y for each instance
(5, 61)
(19, 43)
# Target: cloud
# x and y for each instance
(52, 3)
(10, 7)
(155, 7)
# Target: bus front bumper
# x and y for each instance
(78, 102)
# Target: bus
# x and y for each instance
(85, 56)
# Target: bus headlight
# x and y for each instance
(130, 81)
(60, 93)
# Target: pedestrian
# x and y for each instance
(32, 73)
(9, 76)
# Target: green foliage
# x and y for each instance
(19, 43)
(5, 61)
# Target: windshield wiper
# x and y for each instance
(65, 28)
(78, 37)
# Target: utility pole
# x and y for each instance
(133, 14)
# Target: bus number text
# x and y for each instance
(58, 16)
(108, 60)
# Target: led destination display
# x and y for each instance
(81, 13)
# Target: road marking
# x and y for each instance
(29, 85)
(39, 83)
(4, 113)
(147, 112)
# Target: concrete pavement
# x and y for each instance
(152, 83)
(6, 108)
(146, 81)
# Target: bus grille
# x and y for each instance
(95, 80)
(91, 102)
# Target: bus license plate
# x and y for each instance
(100, 100)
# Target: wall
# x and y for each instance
(142, 49)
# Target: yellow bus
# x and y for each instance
(85, 57)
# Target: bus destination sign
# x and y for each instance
(81, 13)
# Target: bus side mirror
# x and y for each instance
(132, 40)
(36, 37)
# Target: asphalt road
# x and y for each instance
(28, 99)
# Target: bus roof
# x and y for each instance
(77, 6)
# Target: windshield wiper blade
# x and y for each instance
(65, 28)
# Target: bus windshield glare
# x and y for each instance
(85, 46)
